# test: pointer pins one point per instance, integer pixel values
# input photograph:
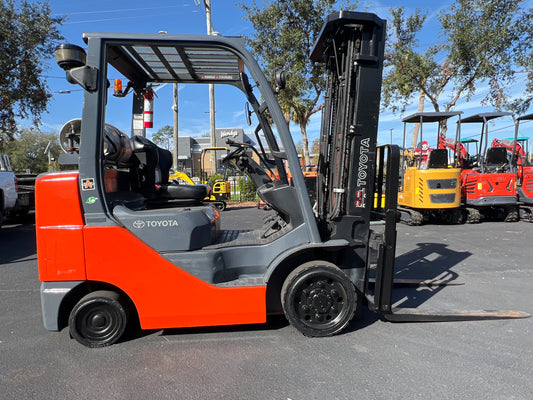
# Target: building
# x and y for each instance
(191, 157)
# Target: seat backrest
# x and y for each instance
(438, 158)
(164, 165)
(147, 154)
(496, 156)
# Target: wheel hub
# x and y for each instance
(320, 300)
(98, 321)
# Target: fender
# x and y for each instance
(330, 245)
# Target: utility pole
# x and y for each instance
(390, 135)
(175, 109)
(207, 4)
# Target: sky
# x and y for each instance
(185, 17)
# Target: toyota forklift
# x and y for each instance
(430, 186)
(122, 247)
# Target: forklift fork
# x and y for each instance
(384, 243)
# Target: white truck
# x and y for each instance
(8, 188)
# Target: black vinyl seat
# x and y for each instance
(154, 166)
(438, 158)
(496, 158)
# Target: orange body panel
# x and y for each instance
(164, 295)
(59, 228)
(526, 180)
(476, 185)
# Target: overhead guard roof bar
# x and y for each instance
(168, 62)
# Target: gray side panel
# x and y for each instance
(492, 201)
(171, 229)
(52, 294)
(223, 265)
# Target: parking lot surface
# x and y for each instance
(373, 359)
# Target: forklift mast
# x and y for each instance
(351, 46)
(352, 170)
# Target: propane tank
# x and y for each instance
(149, 108)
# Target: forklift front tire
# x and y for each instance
(99, 319)
(318, 299)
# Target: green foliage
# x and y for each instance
(404, 65)
(28, 35)
(27, 150)
(164, 137)
(285, 33)
(247, 189)
(480, 43)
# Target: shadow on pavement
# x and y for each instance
(429, 261)
(17, 242)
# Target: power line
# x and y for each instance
(112, 19)
(120, 10)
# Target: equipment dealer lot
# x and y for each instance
(373, 359)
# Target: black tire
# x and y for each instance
(318, 299)
(220, 205)
(99, 319)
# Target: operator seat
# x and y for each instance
(175, 191)
(154, 169)
(496, 158)
(438, 158)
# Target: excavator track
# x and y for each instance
(526, 213)
(411, 217)
(512, 214)
(473, 216)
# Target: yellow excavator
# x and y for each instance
(430, 188)
(219, 193)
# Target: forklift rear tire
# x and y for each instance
(99, 319)
(318, 299)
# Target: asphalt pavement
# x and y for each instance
(373, 359)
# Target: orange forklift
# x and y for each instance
(126, 245)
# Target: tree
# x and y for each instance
(27, 150)
(27, 37)
(315, 147)
(480, 42)
(164, 137)
(285, 33)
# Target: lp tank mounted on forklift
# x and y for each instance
(125, 244)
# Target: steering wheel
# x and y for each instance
(235, 153)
